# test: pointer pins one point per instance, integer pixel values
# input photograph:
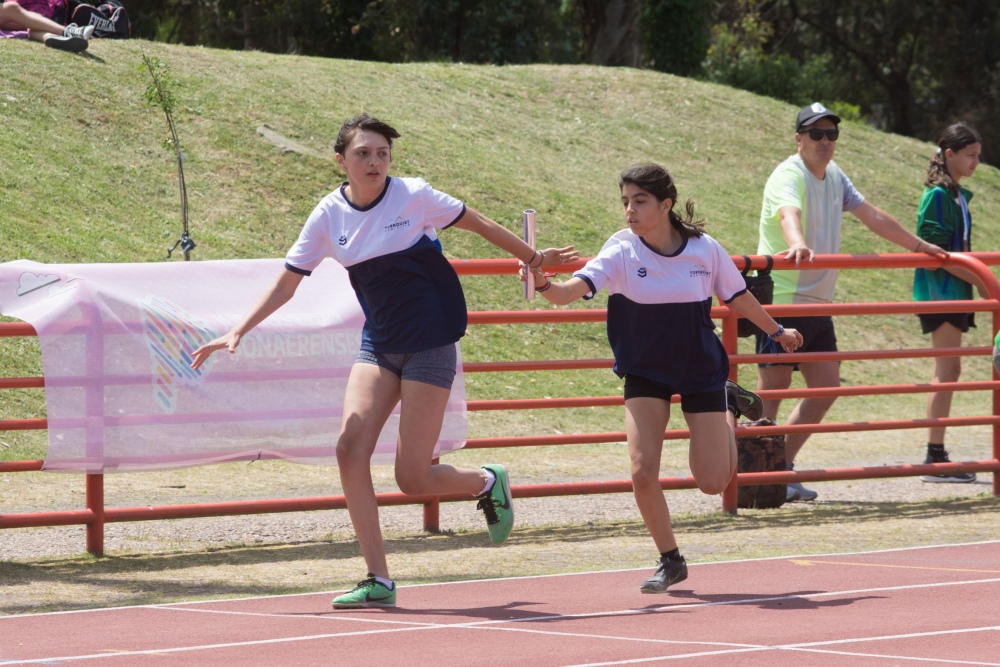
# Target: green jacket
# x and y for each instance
(940, 221)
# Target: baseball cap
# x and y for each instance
(813, 113)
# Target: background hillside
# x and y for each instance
(84, 177)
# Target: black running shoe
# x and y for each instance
(948, 477)
(668, 572)
(742, 402)
(73, 44)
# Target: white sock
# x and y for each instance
(388, 583)
(491, 479)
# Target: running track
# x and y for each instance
(926, 606)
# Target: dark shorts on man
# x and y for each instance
(637, 386)
(817, 332)
(929, 322)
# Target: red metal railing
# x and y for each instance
(96, 514)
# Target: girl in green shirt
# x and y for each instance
(943, 219)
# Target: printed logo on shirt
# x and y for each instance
(342, 240)
(641, 272)
(700, 270)
(398, 223)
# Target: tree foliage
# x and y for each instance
(476, 31)
(675, 35)
(909, 66)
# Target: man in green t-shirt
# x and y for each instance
(804, 202)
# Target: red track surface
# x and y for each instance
(927, 606)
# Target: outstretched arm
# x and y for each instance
(273, 298)
(503, 238)
(558, 293)
(889, 228)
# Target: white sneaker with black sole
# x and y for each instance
(64, 43)
(74, 30)
(948, 477)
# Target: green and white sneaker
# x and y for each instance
(368, 593)
(498, 506)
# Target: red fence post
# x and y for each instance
(95, 503)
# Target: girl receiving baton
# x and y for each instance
(382, 229)
(661, 273)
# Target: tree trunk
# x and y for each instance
(611, 31)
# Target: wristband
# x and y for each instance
(540, 261)
(919, 243)
(778, 334)
(548, 284)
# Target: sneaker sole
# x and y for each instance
(504, 481)
(934, 479)
(69, 44)
(657, 591)
(360, 605)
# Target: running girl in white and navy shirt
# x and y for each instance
(661, 274)
(384, 232)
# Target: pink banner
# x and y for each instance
(120, 395)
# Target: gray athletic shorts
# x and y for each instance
(435, 366)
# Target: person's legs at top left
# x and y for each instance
(43, 29)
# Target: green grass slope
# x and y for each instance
(84, 177)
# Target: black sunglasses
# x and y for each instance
(817, 135)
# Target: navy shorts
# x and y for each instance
(817, 332)
(637, 386)
(929, 322)
(435, 366)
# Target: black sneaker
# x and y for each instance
(742, 402)
(948, 477)
(668, 572)
(66, 43)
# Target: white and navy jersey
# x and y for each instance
(659, 309)
(410, 294)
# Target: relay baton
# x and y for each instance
(529, 238)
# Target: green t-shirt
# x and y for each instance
(945, 222)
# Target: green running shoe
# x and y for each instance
(498, 506)
(368, 593)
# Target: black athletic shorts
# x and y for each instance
(929, 322)
(817, 332)
(637, 386)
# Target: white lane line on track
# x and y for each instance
(506, 624)
(345, 614)
(526, 577)
(808, 648)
